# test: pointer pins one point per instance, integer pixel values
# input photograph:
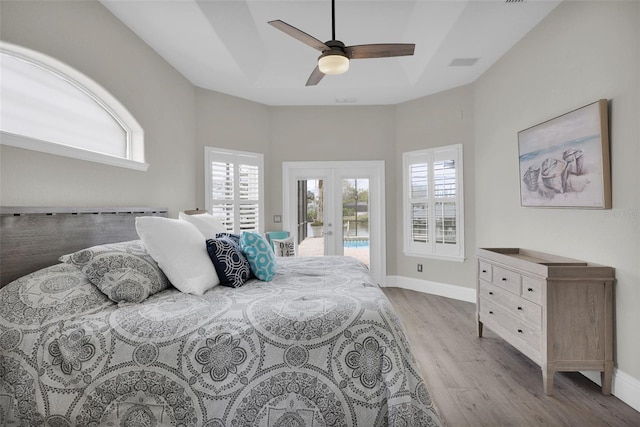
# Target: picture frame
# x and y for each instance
(565, 161)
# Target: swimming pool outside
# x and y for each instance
(356, 243)
(315, 247)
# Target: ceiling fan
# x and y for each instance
(335, 55)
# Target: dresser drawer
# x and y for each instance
(532, 289)
(484, 271)
(507, 279)
(514, 305)
(491, 313)
(527, 334)
(514, 331)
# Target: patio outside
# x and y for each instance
(355, 219)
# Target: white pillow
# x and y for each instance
(181, 252)
(206, 223)
(284, 247)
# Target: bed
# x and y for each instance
(318, 345)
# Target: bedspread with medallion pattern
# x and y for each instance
(320, 345)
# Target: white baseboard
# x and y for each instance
(624, 386)
(442, 289)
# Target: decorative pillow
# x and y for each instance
(271, 235)
(180, 251)
(234, 237)
(259, 254)
(229, 261)
(284, 247)
(125, 272)
(206, 223)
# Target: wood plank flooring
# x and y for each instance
(487, 382)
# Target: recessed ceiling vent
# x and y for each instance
(346, 100)
(513, 1)
(463, 62)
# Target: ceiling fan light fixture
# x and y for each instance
(335, 55)
(333, 62)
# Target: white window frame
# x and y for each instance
(431, 248)
(134, 134)
(235, 157)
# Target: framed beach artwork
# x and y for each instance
(564, 162)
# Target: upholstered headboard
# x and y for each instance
(35, 237)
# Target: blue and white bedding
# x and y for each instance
(319, 345)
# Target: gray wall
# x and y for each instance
(225, 121)
(581, 52)
(442, 119)
(332, 133)
(89, 38)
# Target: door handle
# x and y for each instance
(328, 233)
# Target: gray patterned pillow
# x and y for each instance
(124, 271)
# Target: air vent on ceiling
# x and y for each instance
(346, 100)
(463, 62)
(513, 1)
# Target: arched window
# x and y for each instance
(50, 107)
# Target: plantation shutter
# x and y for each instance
(444, 182)
(433, 202)
(419, 199)
(222, 195)
(249, 203)
(235, 189)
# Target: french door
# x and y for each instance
(337, 208)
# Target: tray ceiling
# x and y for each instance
(227, 46)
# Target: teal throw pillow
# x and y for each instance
(261, 258)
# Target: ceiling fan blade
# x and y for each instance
(315, 77)
(379, 50)
(299, 35)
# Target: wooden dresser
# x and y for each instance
(557, 311)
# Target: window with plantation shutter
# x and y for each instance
(433, 203)
(235, 188)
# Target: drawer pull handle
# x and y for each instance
(529, 289)
(491, 312)
(484, 271)
(490, 292)
(520, 308)
(519, 331)
(504, 279)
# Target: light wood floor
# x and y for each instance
(486, 382)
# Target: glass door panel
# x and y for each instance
(355, 219)
(302, 215)
(311, 240)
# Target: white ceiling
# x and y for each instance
(227, 46)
